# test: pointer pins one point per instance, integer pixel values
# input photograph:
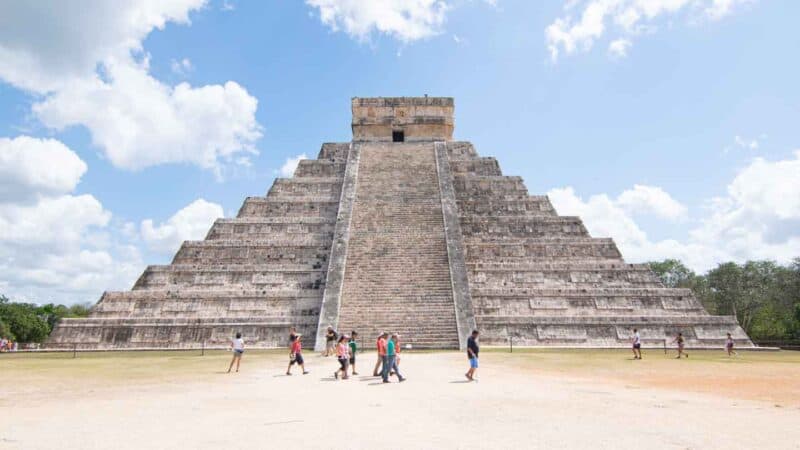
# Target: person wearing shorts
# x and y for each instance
(681, 344)
(729, 346)
(353, 350)
(343, 356)
(330, 342)
(472, 354)
(637, 344)
(237, 345)
(296, 355)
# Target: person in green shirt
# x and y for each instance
(391, 363)
(353, 350)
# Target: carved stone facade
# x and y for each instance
(422, 237)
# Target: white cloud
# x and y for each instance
(751, 144)
(759, 218)
(140, 122)
(623, 18)
(618, 48)
(31, 167)
(190, 223)
(181, 67)
(404, 20)
(288, 168)
(91, 70)
(55, 245)
(651, 200)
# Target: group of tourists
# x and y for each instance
(346, 347)
(679, 341)
(7, 345)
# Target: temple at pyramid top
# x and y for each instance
(402, 119)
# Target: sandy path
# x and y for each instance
(435, 408)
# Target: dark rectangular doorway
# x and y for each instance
(398, 136)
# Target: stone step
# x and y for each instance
(319, 168)
(529, 207)
(575, 247)
(266, 207)
(477, 166)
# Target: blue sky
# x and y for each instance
(670, 125)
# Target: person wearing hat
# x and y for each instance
(296, 355)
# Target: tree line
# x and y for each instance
(26, 322)
(763, 295)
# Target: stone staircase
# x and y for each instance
(397, 275)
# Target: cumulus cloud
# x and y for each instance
(181, 67)
(22, 163)
(651, 200)
(53, 242)
(190, 223)
(288, 168)
(404, 20)
(618, 48)
(585, 22)
(91, 70)
(759, 218)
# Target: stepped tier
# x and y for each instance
(700, 331)
(401, 230)
(261, 227)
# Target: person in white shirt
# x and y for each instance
(237, 345)
(637, 344)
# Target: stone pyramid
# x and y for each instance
(403, 230)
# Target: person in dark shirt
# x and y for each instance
(472, 354)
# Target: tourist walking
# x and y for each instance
(472, 354)
(237, 345)
(343, 355)
(681, 343)
(637, 344)
(729, 346)
(296, 354)
(353, 350)
(380, 345)
(390, 363)
(330, 342)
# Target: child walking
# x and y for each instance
(296, 355)
(729, 346)
(237, 345)
(343, 355)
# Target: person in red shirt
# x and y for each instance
(380, 344)
(296, 354)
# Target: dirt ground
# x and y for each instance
(526, 399)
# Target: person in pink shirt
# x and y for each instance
(296, 355)
(343, 355)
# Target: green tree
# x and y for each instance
(22, 321)
(672, 272)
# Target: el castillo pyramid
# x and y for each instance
(402, 229)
